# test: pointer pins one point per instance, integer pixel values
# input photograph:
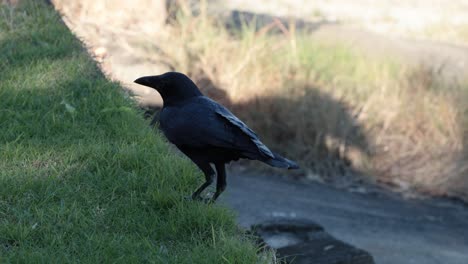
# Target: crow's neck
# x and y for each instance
(179, 93)
(177, 100)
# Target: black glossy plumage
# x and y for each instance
(206, 131)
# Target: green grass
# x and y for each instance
(82, 177)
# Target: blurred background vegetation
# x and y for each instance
(356, 92)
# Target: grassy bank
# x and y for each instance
(82, 177)
(332, 108)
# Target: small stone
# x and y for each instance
(100, 52)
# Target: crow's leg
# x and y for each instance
(220, 181)
(209, 175)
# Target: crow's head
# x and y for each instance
(172, 86)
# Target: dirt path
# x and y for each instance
(451, 61)
(433, 20)
(391, 229)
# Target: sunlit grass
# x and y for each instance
(82, 176)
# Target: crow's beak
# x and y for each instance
(143, 81)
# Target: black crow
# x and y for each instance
(206, 131)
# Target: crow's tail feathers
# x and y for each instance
(281, 162)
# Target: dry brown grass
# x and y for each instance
(332, 109)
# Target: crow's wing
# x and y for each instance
(236, 122)
(201, 122)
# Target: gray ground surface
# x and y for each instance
(393, 230)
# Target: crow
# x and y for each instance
(205, 131)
